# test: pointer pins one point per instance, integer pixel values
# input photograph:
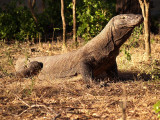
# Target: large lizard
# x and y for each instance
(97, 56)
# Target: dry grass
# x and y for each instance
(66, 99)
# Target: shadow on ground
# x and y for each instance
(130, 75)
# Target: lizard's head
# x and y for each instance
(127, 20)
(122, 26)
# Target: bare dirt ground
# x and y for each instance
(137, 90)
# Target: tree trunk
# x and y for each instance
(64, 24)
(33, 3)
(43, 5)
(74, 22)
(31, 6)
(147, 37)
(145, 6)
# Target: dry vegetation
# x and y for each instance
(68, 99)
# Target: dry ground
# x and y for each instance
(68, 99)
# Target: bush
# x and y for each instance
(16, 22)
(156, 108)
(92, 16)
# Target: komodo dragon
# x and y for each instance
(97, 56)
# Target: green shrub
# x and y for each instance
(156, 108)
(16, 21)
(92, 16)
(134, 39)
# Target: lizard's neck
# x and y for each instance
(121, 36)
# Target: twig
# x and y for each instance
(24, 111)
(48, 109)
(57, 116)
(22, 101)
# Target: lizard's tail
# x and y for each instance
(26, 70)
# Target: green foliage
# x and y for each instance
(156, 108)
(92, 16)
(128, 55)
(27, 24)
(16, 21)
(30, 90)
(134, 39)
(9, 58)
(7, 25)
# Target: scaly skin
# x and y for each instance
(97, 56)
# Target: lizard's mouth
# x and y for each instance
(132, 26)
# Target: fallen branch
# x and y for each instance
(48, 109)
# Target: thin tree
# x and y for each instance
(145, 7)
(43, 5)
(64, 23)
(31, 4)
(74, 22)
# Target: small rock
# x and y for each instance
(96, 115)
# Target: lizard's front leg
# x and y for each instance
(86, 72)
(113, 71)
